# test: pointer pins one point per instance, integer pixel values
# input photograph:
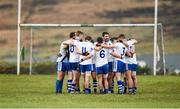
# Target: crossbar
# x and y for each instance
(88, 25)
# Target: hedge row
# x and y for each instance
(48, 68)
(38, 68)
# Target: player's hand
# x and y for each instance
(59, 54)
(132, 55)
(81, 60)
(98, 45)
(85, 54)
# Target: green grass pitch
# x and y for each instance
(38, 91)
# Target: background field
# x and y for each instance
(38, 91)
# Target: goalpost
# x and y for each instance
(155, 25)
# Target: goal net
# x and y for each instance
(41, 43)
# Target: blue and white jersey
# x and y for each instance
(110, 57)
(84, 47)
(101, 57)
(73, 56)
(120, 49)
(63, 53)
(131, 48)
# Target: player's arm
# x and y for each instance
(114, 54)
(69, 42)
(108, 46)
(77, 50)
(88, 56)
(64, 46)
(124, 42)
(134, 41)
(97, 48)
(128, 53)
(59, 53)
(132, 53)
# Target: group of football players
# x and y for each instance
(103, 61)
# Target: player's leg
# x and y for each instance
(77, 88)
(81, 69)
(113, 76)
(86, 72)
(74, 74)
(100, 83)
(105, 83)
(134, 77)
(69, 81)
(117, 75)
(123, 75)
(87, 79)
(109, 82)
(105, 77)
(88, 69)
(70, 78)
(59, 82)
(66, 68)
(100, 79)
(110, 74)
(120, 82)
(122, 79)
(83, 81)
(74, 67)
(89, 85)
(129, 79)
(60, 77)
(125, 83)
(94, 79)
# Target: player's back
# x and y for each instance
(131, 48)
(120, 49)
(62, 53)
(101, 57)
(110, 57)
(85, 47)
(73, 56)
